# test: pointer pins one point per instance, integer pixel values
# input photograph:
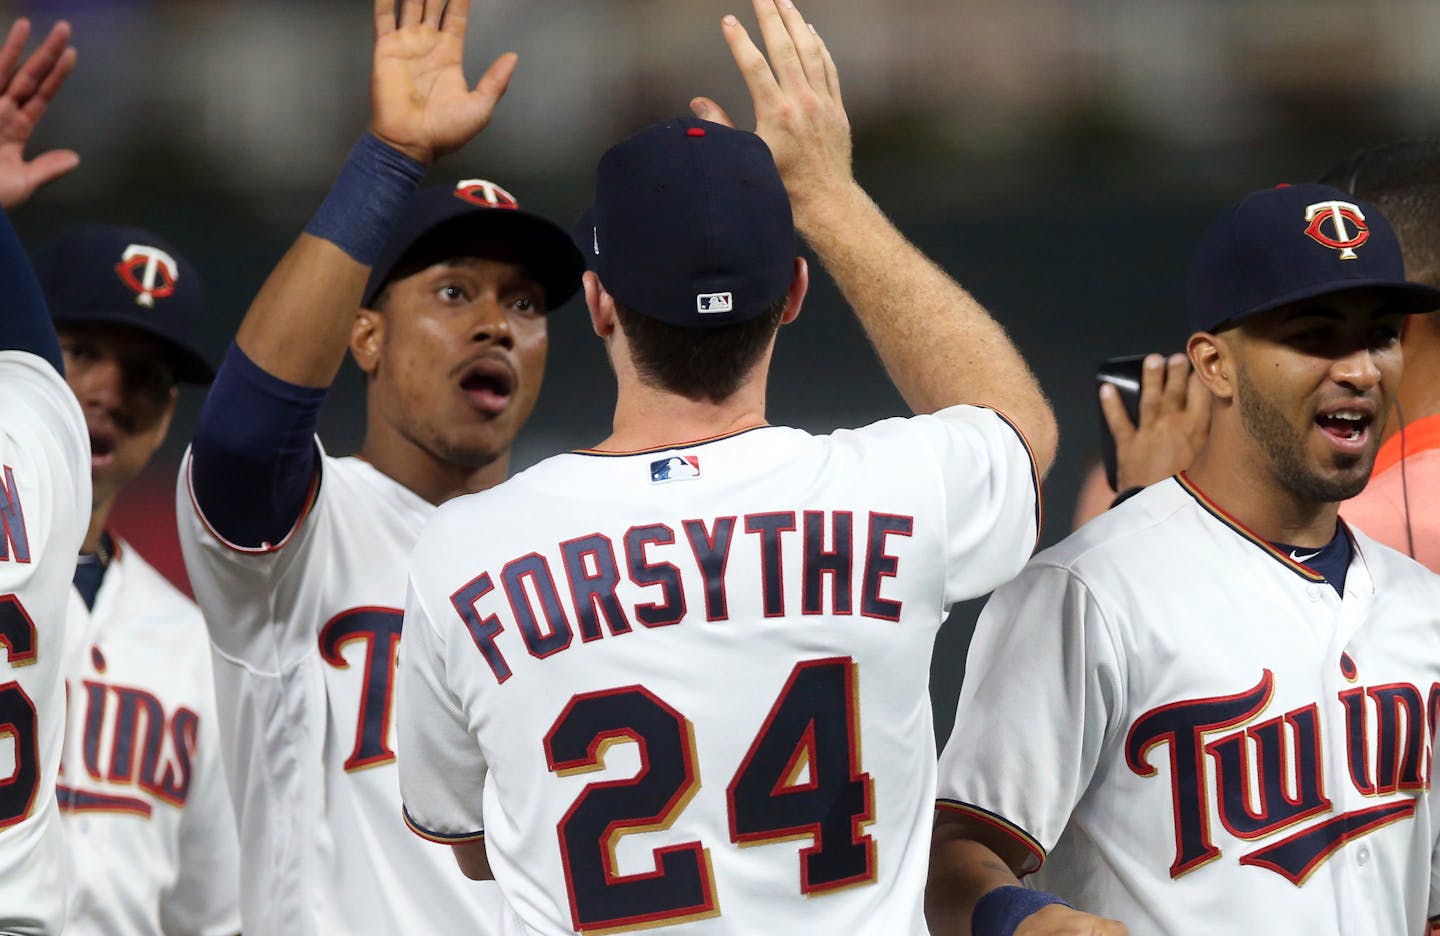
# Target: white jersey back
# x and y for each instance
(305, 636)
(142, 786)
(626, 669)
(44, 510)
(1197, 728)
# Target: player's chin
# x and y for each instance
(476, 446)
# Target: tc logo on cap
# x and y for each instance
(149, 272)
(485, 194)
(1340, 215)
(714, 302)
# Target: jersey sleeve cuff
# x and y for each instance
(1002, 825)
(1034, 470)
(443, 838)
(311, 496)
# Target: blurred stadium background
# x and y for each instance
(1058, 156)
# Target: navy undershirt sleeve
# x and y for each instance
(25, 323)
(254, 455)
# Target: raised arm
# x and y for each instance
(25, 92)
(25, 323)
(253, 460)
(939, 346)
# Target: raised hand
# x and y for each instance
(419, 100)
(798, 109)
(1059, 920)
(25, 93)
(1174, 423)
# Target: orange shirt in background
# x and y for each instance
(1379, 510)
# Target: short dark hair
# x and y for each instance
(698, 364)
(1402, 179)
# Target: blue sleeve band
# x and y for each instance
(366, 199)
(25, 323)
(254, 455)
(999, 912)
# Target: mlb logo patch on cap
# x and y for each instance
(675, 468)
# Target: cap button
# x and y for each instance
(695, 131)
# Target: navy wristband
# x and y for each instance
(366, 199)
(999, 912)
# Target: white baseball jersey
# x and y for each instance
(44, 510)
(1201, 733)
(142, 786)
(688, 688)
(305, 636)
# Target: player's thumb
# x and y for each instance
(706, 109)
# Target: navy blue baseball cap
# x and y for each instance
(126, 276)
(1283, 245)
(440, 217)
(691, 225)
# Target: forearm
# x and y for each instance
(298, 327)
(939, 346)
(25, 323)
(961, 872)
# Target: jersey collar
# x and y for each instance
(1216, 511)
(1420, 435)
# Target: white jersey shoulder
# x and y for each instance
(306, 633)
(44, 509)
(148, 816)
(1164, 707)
(757, 610)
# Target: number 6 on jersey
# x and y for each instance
(800, 779)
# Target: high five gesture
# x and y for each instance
(25, 93)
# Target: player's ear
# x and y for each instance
(1212, 356)
(366, 336)
(796, 293)
(600, 303)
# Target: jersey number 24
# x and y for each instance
(800, 779)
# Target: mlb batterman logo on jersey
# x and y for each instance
(675, 468)
(149, 272)
(1341, 217)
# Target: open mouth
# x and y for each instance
(488, 384)
(102, 446)
(1349, 427)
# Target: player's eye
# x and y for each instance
(527, 303)
(1384, 336)
(80, 351)
(452, 292)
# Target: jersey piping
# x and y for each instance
(1002, 825)
(671, 446)
(1218, 512)
(311, 498)
(430, 835)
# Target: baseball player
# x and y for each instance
(44, 499)
(680, 680)
(149, 821)
(298, 558)
(1212, 708)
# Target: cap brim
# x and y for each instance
(190, 365)
(1407, 297)
(542, 246)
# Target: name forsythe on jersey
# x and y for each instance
(518, 607)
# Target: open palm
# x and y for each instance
(25, 93)
(420, 101)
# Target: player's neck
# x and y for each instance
(99, 517)
(430, 477)
(1238, 479)
(647, 418)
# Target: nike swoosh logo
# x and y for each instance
(1295, 554)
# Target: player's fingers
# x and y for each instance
(457, 14)
(492, 85)
(832, 75)
(806, 43)
(764, 89)
(707, 109)
(34, 108)
(41, 62)
(411, 12)
(434, 9)
(47, 167)
(1177, 372)
(1113, 408)
(384, 18)
(778, 45)
(1152, 378)
(13, 46)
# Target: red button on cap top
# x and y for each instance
(695, 131)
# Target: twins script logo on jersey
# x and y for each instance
(675, 468)
(149, 272)
(1341, 215)
(485, 194)
(1265, 779)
